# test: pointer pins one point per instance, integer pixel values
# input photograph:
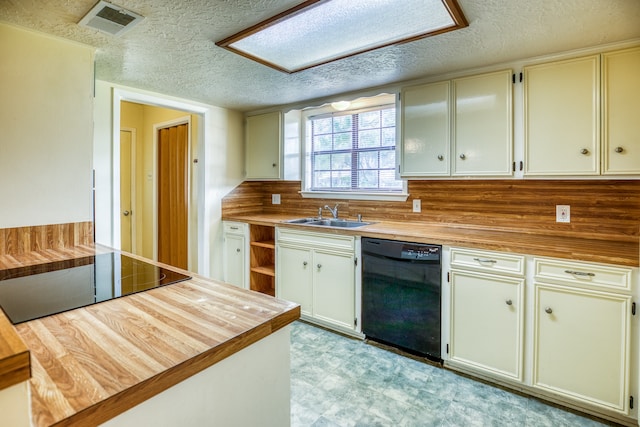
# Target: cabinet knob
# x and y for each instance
(238, 250)
(273, 165)
(462, 156)
(619, 150)
(305, 263)
(584, 151)
(548, 310)
(509, 302)
(440, 157)
(319, 266)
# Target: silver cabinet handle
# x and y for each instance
(548, 310)
(440, 157)
(126, 213)
(462, 156)
(580, 273)
(619, 150)
(584, 151)
(305, 263)
(490, 261)
(509, 302)
(234, 228)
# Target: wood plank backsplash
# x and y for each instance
(600, 209)
(21, 240)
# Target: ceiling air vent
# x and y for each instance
(110, 18)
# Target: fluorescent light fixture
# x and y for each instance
(320, 31)
(340, 105)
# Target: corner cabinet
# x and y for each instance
(461, 127)
(318, 271)
(263, 140)
(235, 253)
(582, 322)
(487, 312)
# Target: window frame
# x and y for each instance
(359, 106)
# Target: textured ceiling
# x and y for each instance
(173, 50)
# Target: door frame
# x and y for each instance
(134, 237)
(156, 127)
(201, 257)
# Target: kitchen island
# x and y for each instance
(192, 352)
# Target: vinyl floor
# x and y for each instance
(343, 382)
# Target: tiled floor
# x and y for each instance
(340, 382)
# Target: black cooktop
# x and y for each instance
(31, 292)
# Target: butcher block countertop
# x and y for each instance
(624, 253)
(93, 363)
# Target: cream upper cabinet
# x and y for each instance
(562, 117)
(425, 128)
(621, 104)
(263, 146)
(482, 124)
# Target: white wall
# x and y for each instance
(220, 166)
(46, 102)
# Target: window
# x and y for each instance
(354, 151)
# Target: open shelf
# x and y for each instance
(262, 259)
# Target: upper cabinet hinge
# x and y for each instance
(521, 77)
(633, 308)
(513, 78)
(448, 276)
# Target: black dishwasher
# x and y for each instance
(401, 289)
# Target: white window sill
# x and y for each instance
(389, 197)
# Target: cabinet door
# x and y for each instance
(334, 288)
(581, 345)
(425, 130)
(294, 280)
(263, 136)
(487, 322)
(235, 268)
(562, 117)
(621, 103)
(482, 137)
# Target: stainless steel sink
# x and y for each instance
(342, 223)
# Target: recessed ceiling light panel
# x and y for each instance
(320, 31)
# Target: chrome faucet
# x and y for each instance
(333, 211)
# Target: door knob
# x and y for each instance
(126, 213)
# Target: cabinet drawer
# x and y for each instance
(235, 227)
(583, 274)
(487, 261)
(308, 239)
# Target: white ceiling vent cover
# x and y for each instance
(110, 19)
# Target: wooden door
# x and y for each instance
(126, 211)
(173, 195)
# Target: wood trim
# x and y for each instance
(15, 365)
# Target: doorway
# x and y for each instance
(173, 194)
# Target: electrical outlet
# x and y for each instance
(275, 199)
(563, 213)
(417, 205)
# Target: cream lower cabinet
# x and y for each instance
(317, 271)
(581, 346)
(487, 312)
(235, 253)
